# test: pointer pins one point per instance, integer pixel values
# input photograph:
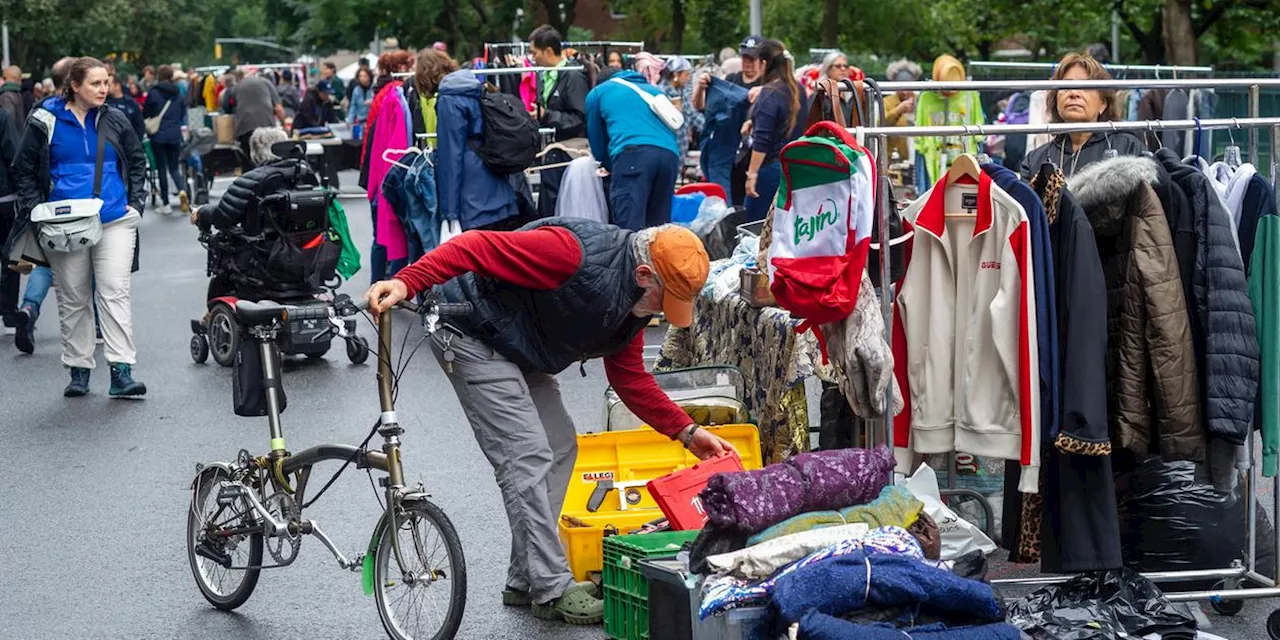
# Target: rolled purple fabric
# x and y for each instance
(752, 501)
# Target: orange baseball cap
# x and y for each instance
(682, 266)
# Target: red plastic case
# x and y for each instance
(677, 492)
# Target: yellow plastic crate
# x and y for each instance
(629, 456)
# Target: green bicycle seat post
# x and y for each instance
(389, 425)
(271, 384)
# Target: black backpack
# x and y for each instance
(510, 136)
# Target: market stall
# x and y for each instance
(834, 544)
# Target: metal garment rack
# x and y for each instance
(1241, 570)
(503, 71)
(1113, 68)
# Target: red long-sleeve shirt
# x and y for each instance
(543, 259)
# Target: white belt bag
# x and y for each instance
(71, 225)
(659, 105)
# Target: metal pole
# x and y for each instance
(1065, 127)
(1035, 85)
(757, 17)
(4, 34)
(1255, 94)
(1115, 36)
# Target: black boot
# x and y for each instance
(122, 383)
(79, 385)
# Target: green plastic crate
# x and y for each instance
(626, 590)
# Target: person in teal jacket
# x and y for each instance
(947, 108)
(637, 148)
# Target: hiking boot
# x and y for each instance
(184, 203)
(79, 385)
(575, 606)
(122, 383)
(24, 324)
(513, 597)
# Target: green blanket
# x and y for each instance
(894, 507)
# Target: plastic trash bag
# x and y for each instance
(1099, 606)
(959, 536)
(710, 212)
(1173, 519)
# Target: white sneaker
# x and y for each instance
(164, 209)
(8, 331)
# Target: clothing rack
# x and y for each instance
(1253, 85)
(1050, 66)
(503, 71)
(422, 136)
(1241, 571)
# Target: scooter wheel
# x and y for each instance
(1273, 625)
(199, 349)
(357, 350)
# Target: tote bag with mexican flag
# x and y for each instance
(821, 226)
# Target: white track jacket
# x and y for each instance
(965, 330)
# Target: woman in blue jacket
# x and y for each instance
(57, 160)
(165, 100)
(775, 121)
(468, 191)
(361, 98)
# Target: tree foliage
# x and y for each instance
(1235, 34)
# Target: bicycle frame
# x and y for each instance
(281, 465)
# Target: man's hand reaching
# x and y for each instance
(386, 294)
(705, 444)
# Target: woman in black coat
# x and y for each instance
(164, 101)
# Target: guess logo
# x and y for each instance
(989, 264)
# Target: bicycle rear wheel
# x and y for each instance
(220, 562)
(425, 601)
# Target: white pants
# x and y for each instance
(105, 267)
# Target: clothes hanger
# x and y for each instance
(1231, 155)
(964, 168)
(402, 152)
(556, 145)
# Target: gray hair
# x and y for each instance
(260, 144)
(903, 66)
(828, 61)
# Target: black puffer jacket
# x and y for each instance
(1229, 360)
(241, 197)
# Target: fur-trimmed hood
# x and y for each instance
(1104, 189)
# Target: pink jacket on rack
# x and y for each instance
(390, 131)
(528, 87)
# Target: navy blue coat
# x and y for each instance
(468, 191)
(174, 119)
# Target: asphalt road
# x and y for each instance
(94, 492)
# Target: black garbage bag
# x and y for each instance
(1173, 519)
(1100, 606)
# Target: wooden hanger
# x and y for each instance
(966, 168)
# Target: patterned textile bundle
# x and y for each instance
(895, 507)
(752, 501)
(820, 626)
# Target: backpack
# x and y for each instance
(511, 138)
(822, 222)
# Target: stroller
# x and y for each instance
(283, 251)
(198, 178)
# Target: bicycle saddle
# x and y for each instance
(259, 313)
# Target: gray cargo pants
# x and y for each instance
(523, 429)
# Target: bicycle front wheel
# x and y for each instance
(425, 598)
(225, 555)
